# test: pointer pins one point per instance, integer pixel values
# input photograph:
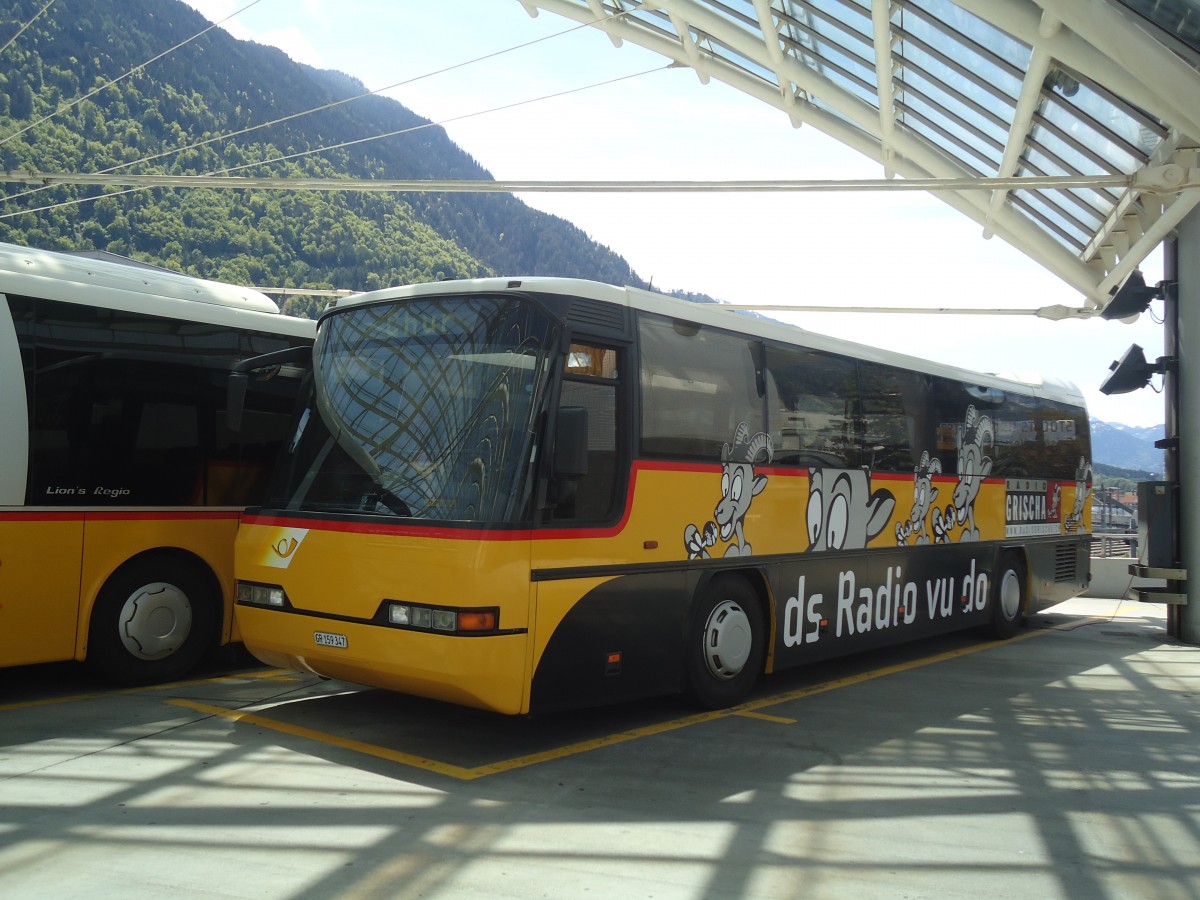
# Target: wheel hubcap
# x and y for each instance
(155, 621)
(727, 640)
(1010, 594)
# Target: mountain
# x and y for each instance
(170, 116)
(1126, 447)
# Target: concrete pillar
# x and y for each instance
(1187, 411)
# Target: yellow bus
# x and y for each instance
(120, 483)
(528, 494)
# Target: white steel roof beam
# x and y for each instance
(770, 30)
(691, 48)
(599, 18)
(1022, 123)
(1169, 211)
(1123, 39)
(915, 158)
(881, 21)
(927, 159)
(1101, 44)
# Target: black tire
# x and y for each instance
(153, 620)
(726, 642)
(1009, 592)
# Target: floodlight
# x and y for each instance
(1131, 372)
(1132, 299)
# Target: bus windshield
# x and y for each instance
(421, 409)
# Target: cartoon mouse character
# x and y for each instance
(843, 512)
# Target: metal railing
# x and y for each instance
(1109, 544)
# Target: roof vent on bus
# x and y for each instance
(598, 318)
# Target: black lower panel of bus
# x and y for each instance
(627, 638)
(620, 641)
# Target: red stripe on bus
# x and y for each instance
(126, 515)
(443, 532)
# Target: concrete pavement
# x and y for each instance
(1063, 763)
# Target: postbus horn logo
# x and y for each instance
(282, 546)
(286, 547)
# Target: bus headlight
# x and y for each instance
(449, 621)
(253, 594)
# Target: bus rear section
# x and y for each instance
(120, 483)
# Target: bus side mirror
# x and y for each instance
(235, 400)
(239, 378)
(571, 442)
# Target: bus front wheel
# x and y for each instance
(1008, 596)
(153, 620)
(725, 643)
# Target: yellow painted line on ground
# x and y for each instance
(324, 737)
(464, 773)
(749, 714)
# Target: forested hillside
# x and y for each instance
(165, 118)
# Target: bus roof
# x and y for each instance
(116, 285)
(727, 316)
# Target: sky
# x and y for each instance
(637, 119)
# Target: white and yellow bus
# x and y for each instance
(527, 494)
(120, 483)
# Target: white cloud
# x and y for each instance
(291, 39)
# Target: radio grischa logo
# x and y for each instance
(1032, 506)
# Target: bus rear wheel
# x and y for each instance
(726, 641)
(1008, 596)
(153, 620)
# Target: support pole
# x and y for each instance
(1183, 342)
(1171, 411)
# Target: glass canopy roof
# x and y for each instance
(1104, 96)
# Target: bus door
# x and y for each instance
(595, 629)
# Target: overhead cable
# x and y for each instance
(139, 181)
(23, 28)
(132, 71)
(316, 109)
(511, 186)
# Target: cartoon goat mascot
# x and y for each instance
(739, 485)
(924, 495)
(1083, 494)
(973, 467)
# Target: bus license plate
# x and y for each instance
(326, 639)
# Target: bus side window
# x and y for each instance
(591, 382)
(698, 386)
(894, 431)
(812, 400)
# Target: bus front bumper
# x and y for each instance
(482, 671)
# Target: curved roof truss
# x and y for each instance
(972, 89)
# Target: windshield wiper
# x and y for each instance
(390, 501)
